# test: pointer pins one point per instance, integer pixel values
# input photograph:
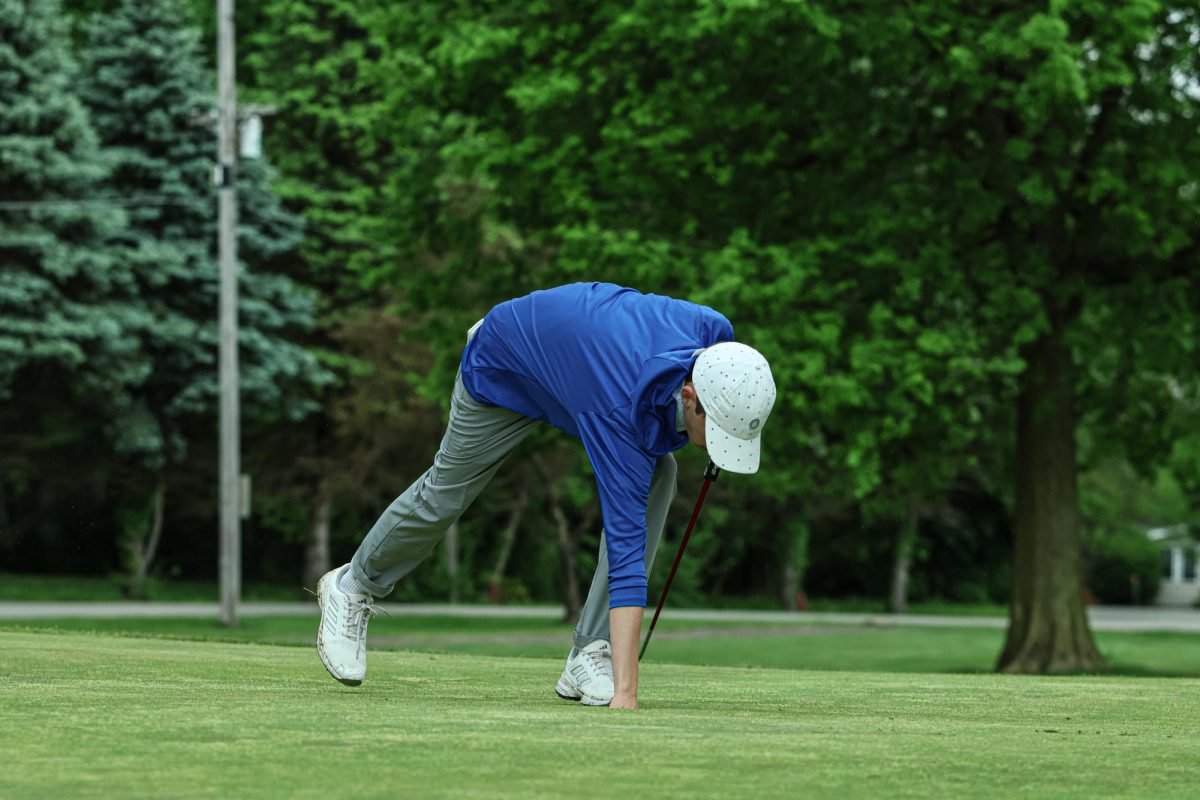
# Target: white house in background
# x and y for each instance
(1180, 578)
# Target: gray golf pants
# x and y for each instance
(478, 438)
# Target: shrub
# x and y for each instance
(1122, 565)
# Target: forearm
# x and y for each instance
(625, 630)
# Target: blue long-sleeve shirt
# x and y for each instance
(602, 363)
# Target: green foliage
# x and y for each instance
(108, 302)
(870, 198)
(309, 60)
(1118, 508)
(1123, 565)
(680, 149)
(149, 92)
(68, 307)
(889, 202)
(65, 299)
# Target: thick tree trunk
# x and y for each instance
(1048, 628)
(906, 539)
(316, 549)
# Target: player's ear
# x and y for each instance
(689, 394)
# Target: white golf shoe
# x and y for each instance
(588, 676)
(342, 635)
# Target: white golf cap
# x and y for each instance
(735, 387)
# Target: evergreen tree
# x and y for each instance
(63, 297)
(68, 354)
(150, 97)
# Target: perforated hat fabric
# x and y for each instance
(734, 384)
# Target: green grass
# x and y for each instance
(795, 646)
(71, 588)
(866, 605)
(75, 588)
(105, 716)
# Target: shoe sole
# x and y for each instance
(320, 644)
(564, 691)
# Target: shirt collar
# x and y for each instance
(680, 422)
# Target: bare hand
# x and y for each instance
(623, 702)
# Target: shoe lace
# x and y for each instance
(358, 614)
(601, 661)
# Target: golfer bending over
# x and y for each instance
(634, 377)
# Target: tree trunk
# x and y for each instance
(790, 585)
(452, 559)
(316, 550)
(906, 539)
(1048, 628)
(572, 605)
(566, 537)
(506, 545)
(794, 563)
(142, 551)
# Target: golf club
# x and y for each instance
(710, 474)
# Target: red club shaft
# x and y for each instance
(710, 475)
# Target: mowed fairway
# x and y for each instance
(107, 716)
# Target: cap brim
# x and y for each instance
(729, 452)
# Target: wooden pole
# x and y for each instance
(230, 433)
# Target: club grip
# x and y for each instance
(711, 471)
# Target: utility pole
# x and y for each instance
(230, 434)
